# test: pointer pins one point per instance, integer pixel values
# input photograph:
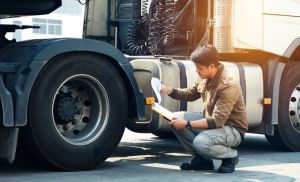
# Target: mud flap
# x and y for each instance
(8, 143)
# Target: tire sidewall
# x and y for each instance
(290, 79)
(49, 141)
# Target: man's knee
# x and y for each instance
(202, 144)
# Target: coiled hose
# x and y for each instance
(156, 29)
(162, 29)
(138, 33)
(169, 27)
(153, 32)
(144, 7)
(145, 14)
(136, 40)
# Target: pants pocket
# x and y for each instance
(232, 139)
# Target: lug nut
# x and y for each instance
(76, 132)
(65, 127)
(292, 113)
(74, 122)
(87, 103)
(85, 119)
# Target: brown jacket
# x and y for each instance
(222, 100)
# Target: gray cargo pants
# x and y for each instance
(214, 143)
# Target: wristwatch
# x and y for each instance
(188, 125)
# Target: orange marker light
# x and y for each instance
(267, 101)
(150, 100)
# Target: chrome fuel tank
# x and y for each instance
(182, 73)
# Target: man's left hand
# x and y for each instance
(179, 124)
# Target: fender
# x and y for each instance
(293, 46)
(33, 55)
(275, 74)
(275, 78)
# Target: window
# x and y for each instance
(39, 22)
(48, 26)
(54, 27)
(17, 35)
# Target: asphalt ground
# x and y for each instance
(145, 157)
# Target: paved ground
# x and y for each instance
(144, 157)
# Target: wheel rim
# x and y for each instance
(80, 109)
(294, 108)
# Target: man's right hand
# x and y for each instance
(166, 90)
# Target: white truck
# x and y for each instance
(71, 99)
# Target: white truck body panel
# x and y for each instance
(266, 25)
(280, 32)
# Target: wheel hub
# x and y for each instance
(66, 109)
(80, 109)
(294, 108)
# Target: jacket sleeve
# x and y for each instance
(227, 98)
(186, 94)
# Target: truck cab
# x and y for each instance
(258, 41)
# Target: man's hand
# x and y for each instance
(179, 124)
(166, 90)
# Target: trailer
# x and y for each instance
(66, 102)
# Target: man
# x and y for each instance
(222, 126)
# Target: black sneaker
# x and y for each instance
(228, 165)
(198, 163)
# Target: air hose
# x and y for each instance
(153, 32)
(137, 35)
(156, 28)
(162, 30)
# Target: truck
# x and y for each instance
(66, 101)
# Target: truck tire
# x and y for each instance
(276, 140)
(77, 111)
(287, 132)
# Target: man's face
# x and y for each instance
(204, 71)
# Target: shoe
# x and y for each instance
(228, 165)
(198, 163)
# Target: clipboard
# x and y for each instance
(163, 111)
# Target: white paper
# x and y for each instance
(163, 111)
(156, 86)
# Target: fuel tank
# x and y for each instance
(182, 74)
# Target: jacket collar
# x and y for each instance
(213, 82)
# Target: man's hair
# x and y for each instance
(205, 55)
